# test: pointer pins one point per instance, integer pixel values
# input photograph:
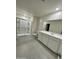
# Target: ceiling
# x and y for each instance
(38, 7)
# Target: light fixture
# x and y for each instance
(57, 9)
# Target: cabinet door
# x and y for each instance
(40, 37)
(53, 44)
(45, 39)
(60, 48)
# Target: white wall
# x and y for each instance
(53, 16)
(35, 24)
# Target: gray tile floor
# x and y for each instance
(29, 48)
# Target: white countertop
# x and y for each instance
(52, 34)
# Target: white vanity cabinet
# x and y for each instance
(43, 38)
(40, 37)
(52, 41)
(60, 48)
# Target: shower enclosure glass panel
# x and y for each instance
(23, 26)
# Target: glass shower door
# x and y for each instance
(23, 26)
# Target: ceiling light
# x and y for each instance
(57, 9)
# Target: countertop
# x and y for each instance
(59, 36)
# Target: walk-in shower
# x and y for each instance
(23, 26)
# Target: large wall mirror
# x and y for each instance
(53, 26)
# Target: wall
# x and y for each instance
(50, 17)
(53, 16)
(35, 25)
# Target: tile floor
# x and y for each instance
(29, 48)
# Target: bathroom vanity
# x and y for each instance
(52, 40)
